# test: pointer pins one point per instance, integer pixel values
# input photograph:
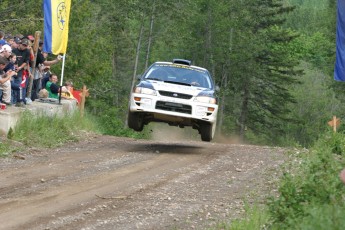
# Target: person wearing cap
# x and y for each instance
(45, 77)
(5, 84)
(23, 58)
(30, 37)
(5, 51)
(9, 39)
(16, 88)
(15, 43)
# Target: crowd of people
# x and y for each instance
(18, 66)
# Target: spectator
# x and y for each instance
(52, 87)
(12, 59)
(30, 38)
(67, 90)
(45, 76)
(41, 64)
(2, 42)
(15, 43)
(5, 85)
(23, 57)
(9, 39)
(5, 51)
(16, 88)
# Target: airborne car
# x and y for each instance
(176, 93)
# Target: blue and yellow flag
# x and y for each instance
(56, 18)
(339, 70)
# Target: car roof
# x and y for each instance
(171, 63)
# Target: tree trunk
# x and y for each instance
(113, 64)
(150, 34)
(224, 85)
(136, 62)
(244, 112)
(222, 103)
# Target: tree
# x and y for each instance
(267, 70)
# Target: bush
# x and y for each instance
(311, 185)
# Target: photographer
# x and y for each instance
(5, 83)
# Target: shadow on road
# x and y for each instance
(166, 148)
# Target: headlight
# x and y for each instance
(205, 99)
(144, 91)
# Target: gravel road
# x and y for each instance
(106, 182)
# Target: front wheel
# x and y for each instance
(207, 131)
(135, 121)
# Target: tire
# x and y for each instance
(207, 131)
(135, 121)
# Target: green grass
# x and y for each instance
(255, 219)
(50, 131)
(5, 149)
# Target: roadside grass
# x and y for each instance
(53, 131)
(50, 131)
(5, 148)
(255, 218)
(310, 192)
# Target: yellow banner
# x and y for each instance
(60, 11)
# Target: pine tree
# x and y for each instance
(268, 70)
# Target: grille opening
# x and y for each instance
(174, 107)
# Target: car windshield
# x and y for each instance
(180, 74)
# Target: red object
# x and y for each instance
(76, 95)
(24, 77)
(3, 106)
(31, 38)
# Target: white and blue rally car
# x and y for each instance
(176, 93)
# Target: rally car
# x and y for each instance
(176, 93)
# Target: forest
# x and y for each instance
(272, 59)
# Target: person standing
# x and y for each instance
(23, 58)
(5, 84)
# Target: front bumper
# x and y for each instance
(175, 107)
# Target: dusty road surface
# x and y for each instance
(109, 182)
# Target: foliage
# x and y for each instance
(315, 106)
(311, 186)
(310, 194)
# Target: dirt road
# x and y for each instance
(120, 183)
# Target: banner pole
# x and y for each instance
(62, 73)
(63, 68)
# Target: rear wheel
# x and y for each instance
(207, 131)
(135, 121)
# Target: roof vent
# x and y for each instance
(182, 62)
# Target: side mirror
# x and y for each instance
(138, 77)
(217, 88)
